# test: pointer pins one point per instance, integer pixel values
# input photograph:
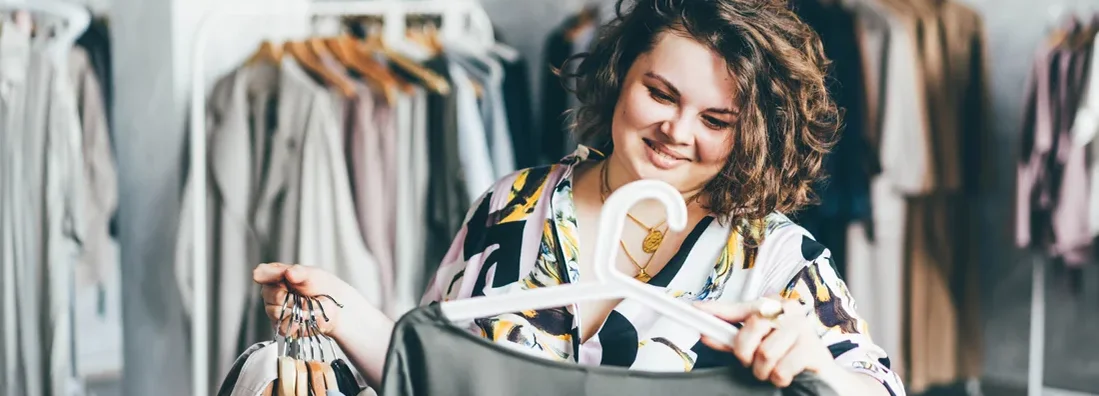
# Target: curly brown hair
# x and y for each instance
(786, 120)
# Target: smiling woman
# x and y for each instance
(724, 100)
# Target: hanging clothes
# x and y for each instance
(926, 77)
(1084, 130)
(845, 196)
(42, 215)
(517, 95)
(943, 330)
(412, 192)
(1052, 173)
(233, 241)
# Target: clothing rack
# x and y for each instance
(76, 20)
(462, 20)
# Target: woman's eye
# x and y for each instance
(660, 96)
(714, 123)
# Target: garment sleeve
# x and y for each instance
(448, 283)
(816, 282)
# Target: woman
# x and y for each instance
(724, 100)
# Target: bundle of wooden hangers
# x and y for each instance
(359, 55)
(304, 362)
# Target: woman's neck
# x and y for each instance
(616, 174)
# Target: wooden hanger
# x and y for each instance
(316, 377)
(302, 386)
(307, 58)
(343, 47)
(267, 52)
(288, 376)
(330, 380)
(269, 390)
(430, 79)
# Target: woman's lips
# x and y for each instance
(661, 156)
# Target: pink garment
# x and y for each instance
(368, 173)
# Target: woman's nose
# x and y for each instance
(677, 130)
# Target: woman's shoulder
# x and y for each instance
(522, 189)
(781, 246)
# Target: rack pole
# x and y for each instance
(391, 10)
(1036, 363)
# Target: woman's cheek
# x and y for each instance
(714, 148)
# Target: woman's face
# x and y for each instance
(673, 116)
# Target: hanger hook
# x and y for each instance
(613, 217)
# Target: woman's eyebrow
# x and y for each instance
(664, 81)
(675, 91)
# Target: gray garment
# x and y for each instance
(41, 218)
(410, 226)
(328, 232)
(423, 358)
(490, 74)
(99, 261)
(233, 243)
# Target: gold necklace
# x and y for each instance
(641, 274)
(652, 241)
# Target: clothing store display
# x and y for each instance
(554, 99)
(521, 234)
(1053, 178)
(366, 183)
(426, 351)
(845, 196)
(99, 260)
(1084, 130)
(44, 213)
(473, 147)
(517, 95)
(926, 116)
(488, 72)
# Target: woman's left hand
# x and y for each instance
(776, 349)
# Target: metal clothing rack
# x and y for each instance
(462, 20)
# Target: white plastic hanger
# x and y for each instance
(75, 20)
(609, 283)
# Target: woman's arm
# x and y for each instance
(364, 338)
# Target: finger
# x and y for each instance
(716, 345)
(774, 347)
(269, 273)
(749, 337)
(729, 312)
(786, 369)
(273, 294)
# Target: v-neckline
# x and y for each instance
(563, 210)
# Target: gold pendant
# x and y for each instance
(652, 241)
(643, 276)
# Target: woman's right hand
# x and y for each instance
(278, 279)
(361, 330)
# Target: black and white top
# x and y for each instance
(522, 234)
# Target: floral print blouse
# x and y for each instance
(522, 234)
